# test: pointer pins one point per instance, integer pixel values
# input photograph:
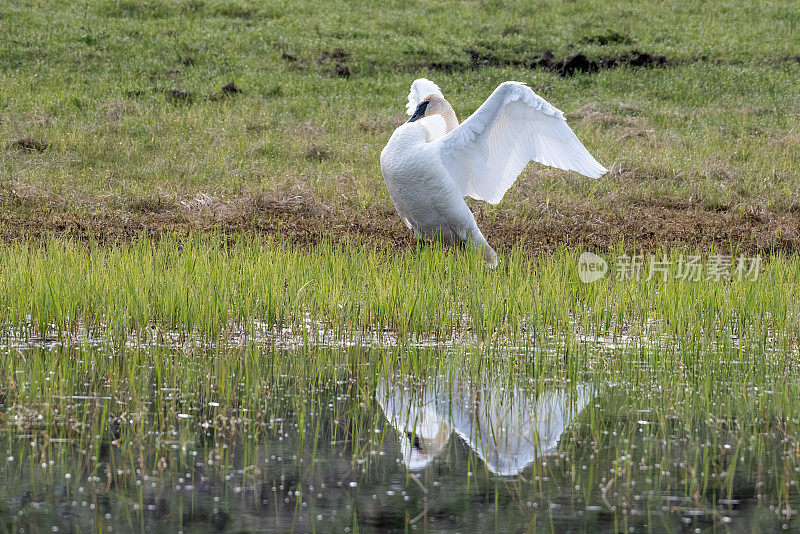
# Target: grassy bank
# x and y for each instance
(119, 118)
(214, 287)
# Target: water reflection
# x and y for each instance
(258, 441)
(507, 427)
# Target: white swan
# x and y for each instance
(431, 163)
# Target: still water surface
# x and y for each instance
(374, 440)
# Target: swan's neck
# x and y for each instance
(450, 119)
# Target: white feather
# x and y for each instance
(420, 89)
(428, 172)
(435, 125)
(489, 150)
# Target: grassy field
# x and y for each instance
(120, 117)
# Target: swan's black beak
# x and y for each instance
(420, 111)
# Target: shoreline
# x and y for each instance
(671, 223)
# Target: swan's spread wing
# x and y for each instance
(514, 126)
(421, 88)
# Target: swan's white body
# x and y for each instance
(429, 168)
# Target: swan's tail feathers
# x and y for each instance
(420, 89)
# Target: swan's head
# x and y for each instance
(430, 105)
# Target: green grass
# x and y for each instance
(201, 285)
(127, 97)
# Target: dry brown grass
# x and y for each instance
(295, 214)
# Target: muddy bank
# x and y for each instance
(640, 226)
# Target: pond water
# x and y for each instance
(199, 439)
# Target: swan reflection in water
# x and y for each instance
(508, 428)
